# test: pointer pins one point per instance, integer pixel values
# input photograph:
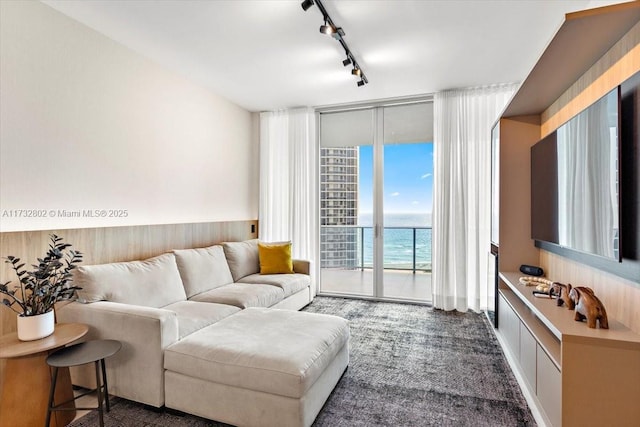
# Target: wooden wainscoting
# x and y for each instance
(114, 244)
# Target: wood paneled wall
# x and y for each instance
(518, 248)
(114, 244)
(617, 65)
(620, 297)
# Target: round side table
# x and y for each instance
(27, 377)
(80, 354)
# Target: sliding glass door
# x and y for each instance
(407, 187)
(346, 243)
(376, 201)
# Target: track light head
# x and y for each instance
(346, 62)
(356, 71)
(306, 4)
(327, 29)
(361, 83)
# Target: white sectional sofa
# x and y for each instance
(178, 301)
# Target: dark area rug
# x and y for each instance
(409, 365)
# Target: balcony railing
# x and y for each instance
(351, 247)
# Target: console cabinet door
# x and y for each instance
(509, 326)
(528, 350)
(549, 385)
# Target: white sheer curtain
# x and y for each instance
(461, 216)
(288, 181)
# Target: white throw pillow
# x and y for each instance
(203, 269)
(242, 258)
(154, 282)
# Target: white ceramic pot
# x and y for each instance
(32, 328)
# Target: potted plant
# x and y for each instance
(39, 289)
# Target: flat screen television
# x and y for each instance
(575, 176)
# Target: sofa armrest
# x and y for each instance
(302, 266)
(136, 372)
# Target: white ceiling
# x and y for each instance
(269, 54)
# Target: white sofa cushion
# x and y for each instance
(193, 315)
(243, 295)
(203, 269)
(154, 282)
(289, 283)
(280, 352)
(242, 257)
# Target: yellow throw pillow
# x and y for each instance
(275, 258)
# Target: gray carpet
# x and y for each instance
(410, 366)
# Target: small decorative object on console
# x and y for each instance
(531, 270)
(541, 284)
(562, 292)
(588, 306)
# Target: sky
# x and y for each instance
(408, 178)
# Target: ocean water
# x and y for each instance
(399, 240)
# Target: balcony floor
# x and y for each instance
(398, 284)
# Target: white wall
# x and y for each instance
(87, 124)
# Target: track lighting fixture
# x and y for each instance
(363, 81)
(327, 29)
(330, 28)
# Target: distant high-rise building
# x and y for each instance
(339, 207)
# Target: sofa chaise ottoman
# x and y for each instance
(259, 367)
